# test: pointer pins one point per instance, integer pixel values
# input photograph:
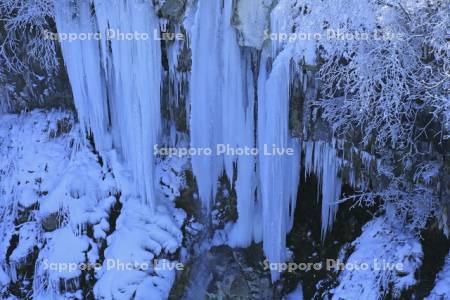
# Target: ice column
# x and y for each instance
(83, 64)
(221, 109)
(116, 81)
(321, 159)
(279, 174)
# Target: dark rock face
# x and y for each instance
(238, 274)
(436, 246)
(21, 255)
(445, 189)
(51, 222)
(22, 284)
(24, 214)
(226, 273)
(306, 243)
(220, 272)
(173, 8)
(64, 125)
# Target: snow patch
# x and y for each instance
(441, 288)
(381, 246)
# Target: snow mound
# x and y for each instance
(66, 216)
(131, 264)
(384, 260)
(441, 289)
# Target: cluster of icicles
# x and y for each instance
(116, 86)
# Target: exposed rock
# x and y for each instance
(24, 213)
(445, 196)
(24, 272)
(63, 126)
(51, 222)
(184, 58)
(172, 9)
(226, 273)
(251, 19)
(20, 259)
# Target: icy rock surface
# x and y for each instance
(226, 273)
(252, 21)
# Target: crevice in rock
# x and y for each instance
(304, 240)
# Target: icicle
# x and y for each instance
(245, 229)
(205, 114)
(279, 24)
(279, 175)
(238, 128)
(221, 114)
(176, 77)
(331, 187)
(222, 101)
(321, 159)
(82, 60)
(123, 79)
(134, 84)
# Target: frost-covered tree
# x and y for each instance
(28, 59)
(24, 25)
(389, 83)
(385, 81)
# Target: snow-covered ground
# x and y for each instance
(383, 261)
(63, 209)
(441, 290)
(66, 225)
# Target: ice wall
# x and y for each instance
(222, 97)
(116, 81)
(116, 85)
(84, 68)
(133, 76)
(222, 113)
(279, 174)
(221, 102)
(205, 114)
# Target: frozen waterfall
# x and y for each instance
(222, 101)
(279, 175)
(238, 98)
(116, 82)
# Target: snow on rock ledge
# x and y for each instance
(441, 289)
(392, 257)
